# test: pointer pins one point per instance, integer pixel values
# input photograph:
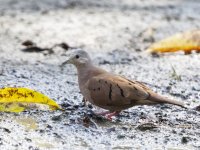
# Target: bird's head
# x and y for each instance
(77, 58)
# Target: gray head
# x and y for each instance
(77, 57)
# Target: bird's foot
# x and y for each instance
(110, 115)
(85, 102)
(107, 114)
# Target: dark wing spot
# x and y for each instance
(142, 85)
(121, 90)
(110, 92)
(130, 81)
(135, 88)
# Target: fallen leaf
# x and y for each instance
(64, 46)
(34, 49)
(28, 43)
(186, 42)
(18, 99)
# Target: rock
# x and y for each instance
(56, 118)
(184, 140)
(120, 136)
(146, 126)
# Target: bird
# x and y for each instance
(110, 91)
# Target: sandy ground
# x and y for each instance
(116, 33)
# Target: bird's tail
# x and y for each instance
(161, 99)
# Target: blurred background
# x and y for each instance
(94, 25)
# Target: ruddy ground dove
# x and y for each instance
(109, 91)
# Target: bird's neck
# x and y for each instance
(87, 71)
(84, 72)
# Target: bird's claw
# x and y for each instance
(110, 115)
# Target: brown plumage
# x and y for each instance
(109, 91)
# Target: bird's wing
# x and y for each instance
(113, 90)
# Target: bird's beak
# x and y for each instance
(65, 62)
(68, 60)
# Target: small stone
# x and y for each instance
(174, 132)
(7, 130)
(90, 106)
(41, 131)
(28, 140)
(184, 140)
(121, 136)
(76, 106)
(56, 118)
(111, 129)
(124, 128)
(57, 135)
(146, 126)
(49, 126)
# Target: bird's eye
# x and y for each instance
(77, 56)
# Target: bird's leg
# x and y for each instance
(84, 101)
(110, 115)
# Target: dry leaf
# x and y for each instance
(28, 43)
(186, 41)
(18, 99)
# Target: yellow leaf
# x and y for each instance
(186, 41)
(18, 99)
(11, 107)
